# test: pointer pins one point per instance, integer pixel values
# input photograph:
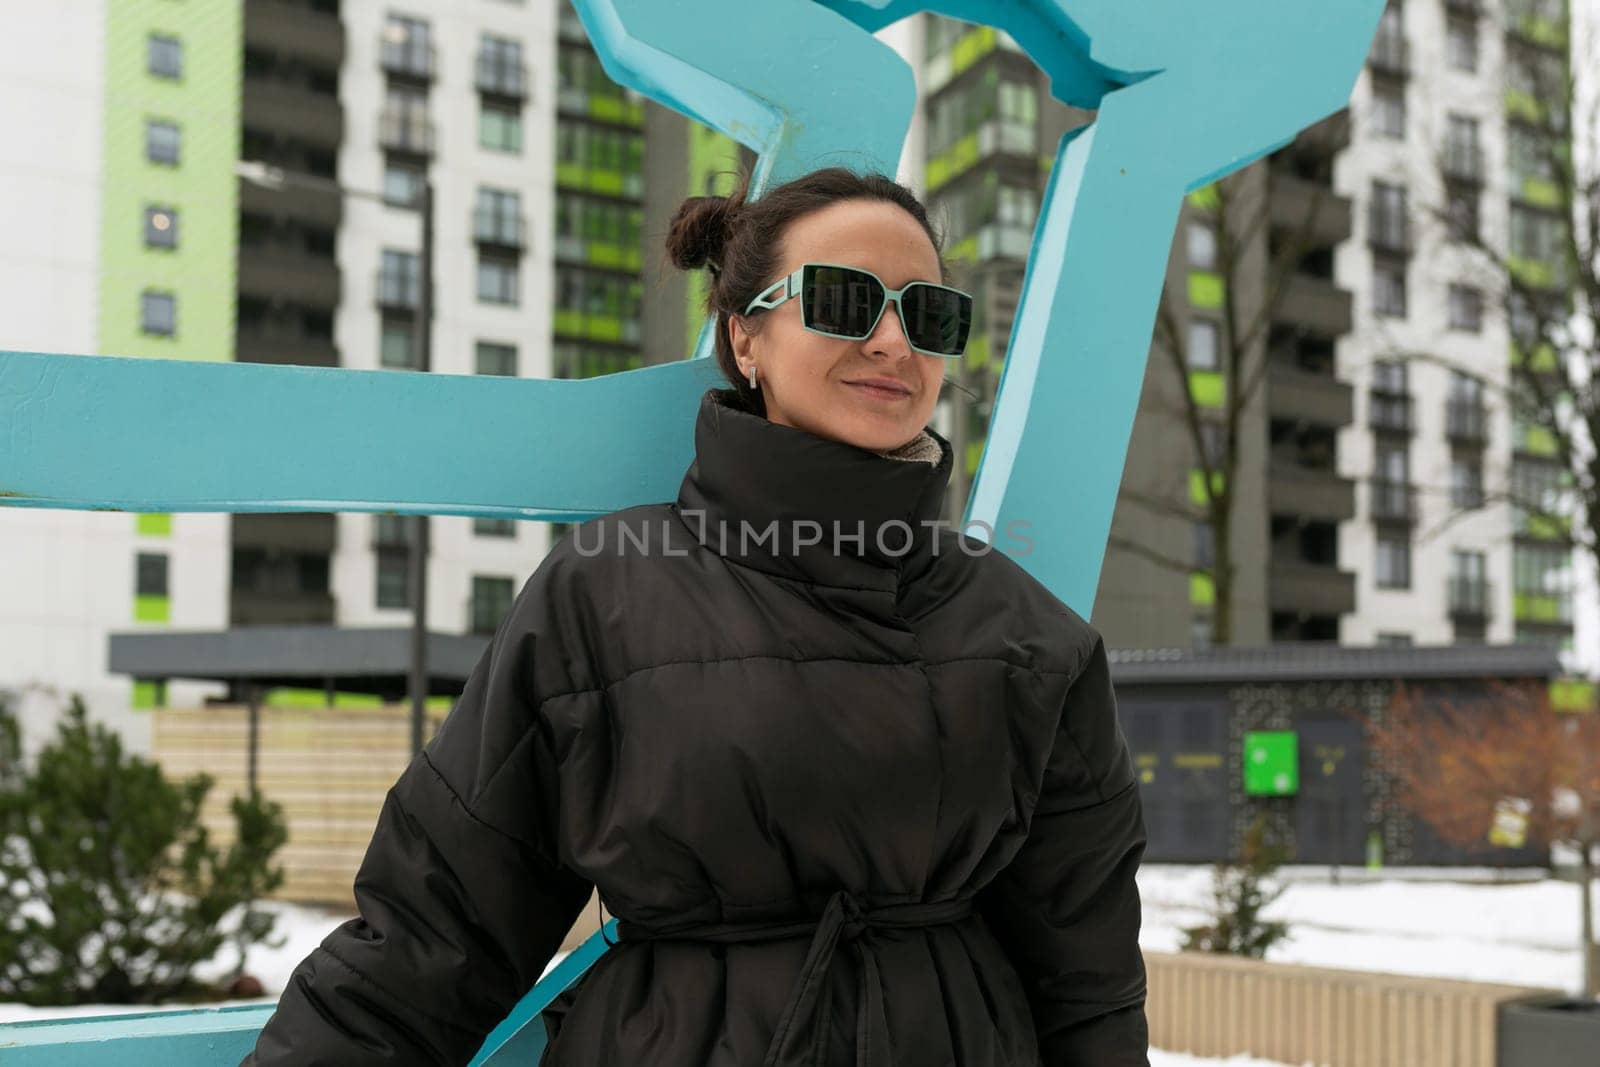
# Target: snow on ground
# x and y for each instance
(1444, 923)
(1515, 932)
(1159, 1058)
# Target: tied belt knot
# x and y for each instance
(801, 1039)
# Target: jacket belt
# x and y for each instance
(802, 1036)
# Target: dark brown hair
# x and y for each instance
(739, 240)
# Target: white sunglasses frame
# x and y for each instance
(765, 301)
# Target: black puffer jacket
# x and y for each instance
(865, 806)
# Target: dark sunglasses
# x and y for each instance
(847, 302)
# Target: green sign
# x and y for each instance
(1271, 763)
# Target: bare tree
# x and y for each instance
(1255, 257)
(1543, 278)
(1457, 766)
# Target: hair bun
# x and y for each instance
(700, 230)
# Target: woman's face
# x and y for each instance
(816, 383)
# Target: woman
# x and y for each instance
(853, 786)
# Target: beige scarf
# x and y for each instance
(921, 447)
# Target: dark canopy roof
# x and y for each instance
(352, 660)
(1317, 660)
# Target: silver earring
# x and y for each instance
(753, 384)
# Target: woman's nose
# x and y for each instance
(889, 337)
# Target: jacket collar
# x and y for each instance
(772, 497)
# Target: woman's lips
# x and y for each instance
(878, 392)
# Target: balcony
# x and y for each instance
(1318, 399)
(321, 208)
(1466, 422)
(1390, 55)
(1390, 412)
(309, 532)
(570, 27)
(284, 347)
(1309, 493)
(406, 131)
(1315, 304)
(393, 532)
(398, 290)
(294, 30)
(408, 57)
(1327, 137)
(498, 76)
(289, 276)
(279, 609)
(500, 229)
(1393, 501)
(1468, 597)
(1468, 8)
(291, 113)
(1388, 231)
(1310, 588)
(1300, 207)
(1463, 162)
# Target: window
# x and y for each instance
(1212, 440)
(394, 577)
(497, 281)
(482, 527)
(1467, 563)
(1387, 220)
(500, 128)
(150, 574)
(164, 56)
(1203, 345)
(491, 600)
(160, 227)
(398, 345)
(1389, 111)
(158, 313)
(1462, 210)
(1529, 153)
(402, 184)
(399, 279)
(1394, 562)
(497, 219)
(1466, 308)
(500, 67)
(1465, 389)
(1536, 236)
(1463, 152)
(1389, 376)
(161, 142)
(1466, 482)
(1202, 245)
(1204, 545)
(407, 47)
(1461, 43)
(1393, 639)
(497, 359)
(1389, 289)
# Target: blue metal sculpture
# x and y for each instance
(1185, 92)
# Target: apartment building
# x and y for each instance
(1454, 123)
(1375, 457)
(119, 141)
(243, 182)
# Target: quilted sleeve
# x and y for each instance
(1066, 908)
(462, 899)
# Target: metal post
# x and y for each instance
(419, 540)
(253, 746)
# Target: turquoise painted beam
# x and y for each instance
(176, 1038)
(103, 432)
